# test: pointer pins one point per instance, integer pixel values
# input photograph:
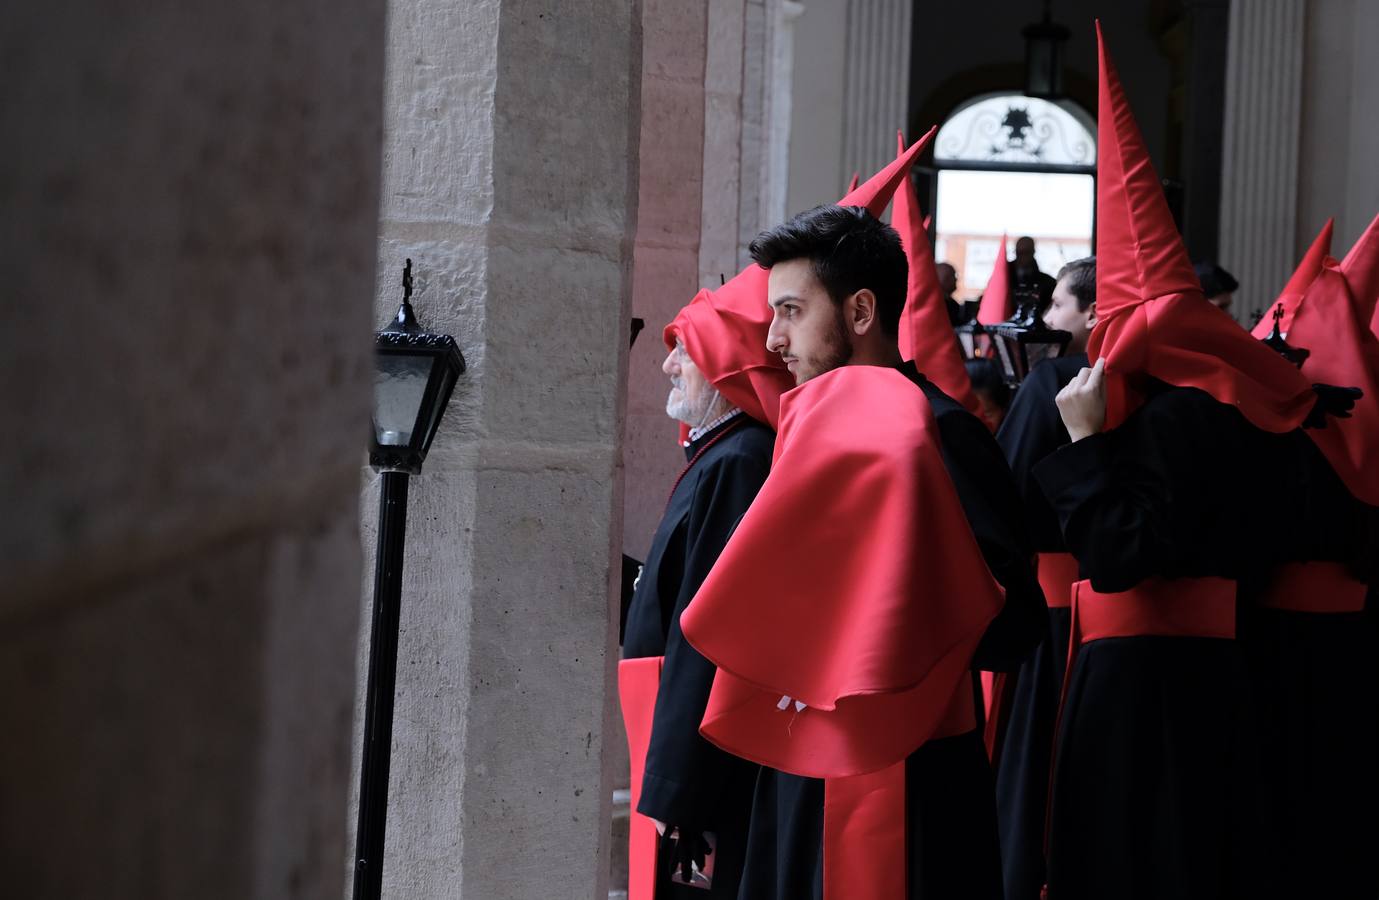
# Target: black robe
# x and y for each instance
(687, 781)
(1311, 674)
(1157, 774)
(1031, 431)
(950, 806)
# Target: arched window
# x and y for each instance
(1015, 165)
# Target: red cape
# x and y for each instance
(1152, 319)
(926, 335)
(853, 585)
(1323, 315)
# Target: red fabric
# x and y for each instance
(996, 300)
(1152, 319)
(1323, 315)
(1165, 607)
(852, 185)
(876, 193)
(865, 855)
(864, 836)
(1314, 587)
(926, 335)
(1057, 572)
(724, 332)
(1361, 268)
(836, 591)
(639, 680)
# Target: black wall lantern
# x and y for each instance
(1024, 340)
(1044, 56)
(415, 374)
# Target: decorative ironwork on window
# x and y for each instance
(1013, 128)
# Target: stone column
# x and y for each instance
(876, 96)
(1264, 66)
(510, 180)
(188, 215)
(723, 100)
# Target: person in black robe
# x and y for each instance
(1310, 674)
(952, 841)
(689, 786)
(1023, 745)
(1158, 734)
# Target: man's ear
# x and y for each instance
(1091, 316)
(861, 311)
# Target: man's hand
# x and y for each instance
(690, 852)
(1082, 402)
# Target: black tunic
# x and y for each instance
(1311, 674)
(1156, 785)
(1031, 431)
(687, 781)
(950, 807)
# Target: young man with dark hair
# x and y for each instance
(1032, 430)
(1072, 307)
(874, 542)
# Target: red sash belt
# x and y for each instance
(639, 680)
(865, 855)
(1314, 587)
(1168, 607)
(1057, 572)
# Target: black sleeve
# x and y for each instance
(1165, 494)
(1031, 431)
(685, 773)
(991, 502)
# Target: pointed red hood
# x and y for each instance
(1325, 315)
(1361, 268)
(926, 335)
(996, 298)
(724, 332)
(1152, 319)
(876, 193)
(867, 631)
(852, 185)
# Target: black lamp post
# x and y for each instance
(416, 372)
(1044, 56)
(1024, 340)
(971, 338)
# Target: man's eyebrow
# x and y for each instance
(779, 300)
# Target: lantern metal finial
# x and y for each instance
(1295, 355)
(406, 320)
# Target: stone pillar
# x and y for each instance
(510, 180)
(723, 100)
(188, 212)
(666, 255)
(1340, 135)
(1264, 67)
(877, 82)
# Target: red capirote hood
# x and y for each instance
(1152, 319)
(1324, 313)
(926, 334)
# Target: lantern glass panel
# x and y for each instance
(399, 390)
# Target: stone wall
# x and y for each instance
(510, 180)
(188, 207)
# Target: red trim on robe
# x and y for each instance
(639, 681)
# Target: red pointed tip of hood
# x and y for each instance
(1140, 254)
(1361, 270)
(876, 193)
(1311, 265)
(996, 298)
(926, 336)
(852, 185)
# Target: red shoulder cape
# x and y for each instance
(853, 585)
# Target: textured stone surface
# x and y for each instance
(188, 214)
(519, 221)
